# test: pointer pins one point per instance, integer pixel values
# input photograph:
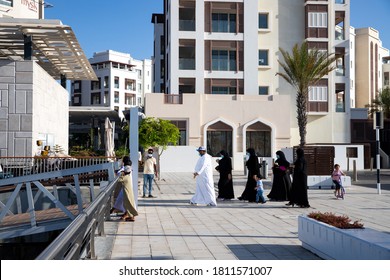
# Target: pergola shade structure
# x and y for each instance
(53, 45)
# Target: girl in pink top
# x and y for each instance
(336, 178)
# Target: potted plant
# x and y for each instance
(336, 237)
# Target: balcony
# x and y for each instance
(173, 98)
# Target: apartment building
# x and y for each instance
(372, 70)
(122, 82)
(220, 60)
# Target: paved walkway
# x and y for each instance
(168, 227)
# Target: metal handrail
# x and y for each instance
(78, 238)
(17, 184)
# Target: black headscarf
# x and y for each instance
(224, 153)
(282, 161)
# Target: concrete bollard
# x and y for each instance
(354, 171)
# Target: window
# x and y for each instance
(351, 152)
(77, 86)
(116, 82)
(318, 19)
(186, 85)
(224, 60)
(129, 84)
(182, 126)
(162, 44)
(187, 19)
(386, 79)
(116, 97)
(224, 23)
(95, 85)
(340, 1)
(130, 99)
(260, 141)
(8, 3)
(263, 57)
(263, 21)
(318, 94)
(340, 102)
(218, 140)
(106, 83)
(95, 98)
(223, 90)
(187, 56)
(76, 100)
(106, 100)
(263, 90)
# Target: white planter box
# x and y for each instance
(329, 242)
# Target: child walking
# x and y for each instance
(260, 190)
(336, 178)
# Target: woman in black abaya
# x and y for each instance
(299, 185)
(253, 170)
(281, 184)
(225, 183)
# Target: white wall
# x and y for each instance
(50, 109)
(32, 105)
(179, 159)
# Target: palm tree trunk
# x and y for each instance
(302, 117)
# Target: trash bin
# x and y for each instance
(264, 169)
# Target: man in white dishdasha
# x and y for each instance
(204, 193)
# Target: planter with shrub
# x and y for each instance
(336, 237)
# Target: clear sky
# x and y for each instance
(126, 26)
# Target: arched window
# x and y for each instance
(219, 137)
(258, 137)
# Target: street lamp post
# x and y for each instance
(378, 124)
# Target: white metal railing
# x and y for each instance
(78, 239)
(24, 192)
(23, 166)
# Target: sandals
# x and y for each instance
(127, 219)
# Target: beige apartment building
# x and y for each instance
(372, 68)
(219, 63)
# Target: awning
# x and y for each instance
(55, 47)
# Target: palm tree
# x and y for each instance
(381, 103)
(303, 69)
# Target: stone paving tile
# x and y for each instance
(168, 227)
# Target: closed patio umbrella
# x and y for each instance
(109, 141)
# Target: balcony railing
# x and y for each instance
(186, 25)
(186, 63)
(173, 98)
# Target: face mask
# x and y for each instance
(247, 156)
(150, 155)
(277, 156)
(221, 157)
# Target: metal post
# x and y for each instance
(28, 47)
(378, 161)
(133, 145)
